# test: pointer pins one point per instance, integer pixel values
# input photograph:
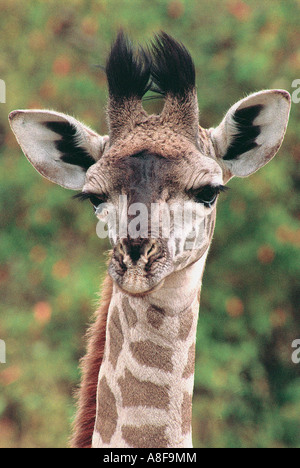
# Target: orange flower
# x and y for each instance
(265, 254)
(42, 312)
(62, 65)
(234, 307)
(175, 9)
(61, 269)
(287, 235)
(38, 254)
(37, 40)
(47, 90)
(4, 274)
(89, 26)
(278, 318)
(10, 375)
(240, 10)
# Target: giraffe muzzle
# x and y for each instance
(139, 265)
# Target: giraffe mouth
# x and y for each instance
(133, 290)
(137, 281)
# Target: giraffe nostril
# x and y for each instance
(132, 250)
(121, 248)
(151, 249)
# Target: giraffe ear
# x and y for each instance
(252, 131)
(57, 145)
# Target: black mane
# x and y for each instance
(128, 71)
(166, 67)
(173, 70)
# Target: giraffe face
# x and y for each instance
(160, 213)
(166, 160)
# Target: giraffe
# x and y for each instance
(138, 372)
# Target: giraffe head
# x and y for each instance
(163, 171)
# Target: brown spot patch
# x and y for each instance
(185, 324)
(186, 413)
(129, 312)
(190, 365)
(107, 415)
(146, 436)
(139, 393)
(155, 316)
(152, 355)
(116, 337)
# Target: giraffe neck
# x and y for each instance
(145, 386)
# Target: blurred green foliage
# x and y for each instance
(247, 390)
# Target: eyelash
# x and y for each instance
(202, 195)
(208, 194)
(95, 199)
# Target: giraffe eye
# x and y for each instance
(208, 194)
(95, 199)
